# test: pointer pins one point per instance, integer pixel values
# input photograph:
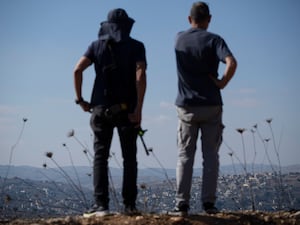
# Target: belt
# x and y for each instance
(115, 109)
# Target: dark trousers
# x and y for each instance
(103, 132)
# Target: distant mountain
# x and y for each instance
(257, 168)
(43, 174)
(84, 173)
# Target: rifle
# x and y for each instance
(141, 133)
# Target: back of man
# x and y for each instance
(115, 66)
(199, 106)
(116, 102)
(198, 53)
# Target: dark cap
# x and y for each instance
(117, 26)
(199, 11)
(118, 16)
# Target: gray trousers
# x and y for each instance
(208, 120)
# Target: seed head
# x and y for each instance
(71, 133)
(240, 130)
(49, 154)
(143, 186)
(269, 120)
(7, 199)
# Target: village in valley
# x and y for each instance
(26, 198)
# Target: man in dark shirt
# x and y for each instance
(199, 105)
(117, 100)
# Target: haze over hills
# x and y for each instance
(147, 175)
(36, 173)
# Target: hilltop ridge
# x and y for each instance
(224, 218)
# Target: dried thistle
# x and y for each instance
(143, 186)
(49, 154)
(71, 133)
(7, 199)
(269, 120)
(240, 130)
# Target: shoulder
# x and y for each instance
(214, 36)
(180, 37)
(137, 46)
(136, 43)
(198, 32)
(95, 46)
(181, 34)
(96, 43)
(93, 49)
(138, 50)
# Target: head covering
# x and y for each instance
(119, 16)
(117, 27)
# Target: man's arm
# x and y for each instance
(231, 65)
(82, 64)
(141, 83)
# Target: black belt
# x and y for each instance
(115, 109)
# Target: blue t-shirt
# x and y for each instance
(198, 53)
(121, 84)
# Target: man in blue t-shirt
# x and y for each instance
(199, 105)
(117, 101)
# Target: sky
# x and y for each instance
(41, 41)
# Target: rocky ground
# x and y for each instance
(224, 218)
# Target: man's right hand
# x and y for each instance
(220, 83)
(85, 106)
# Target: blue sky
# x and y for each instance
(41, 41)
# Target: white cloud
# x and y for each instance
(9, 118)
(163, 118)
(158, 119)
(6, 116)
(166, 105)
(7, 110)
(247, 98)
(245, 102)
(247, 91)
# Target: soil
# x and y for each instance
(224, 218)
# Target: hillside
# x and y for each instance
(227, 218)
(50, 197)
(47, 198)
